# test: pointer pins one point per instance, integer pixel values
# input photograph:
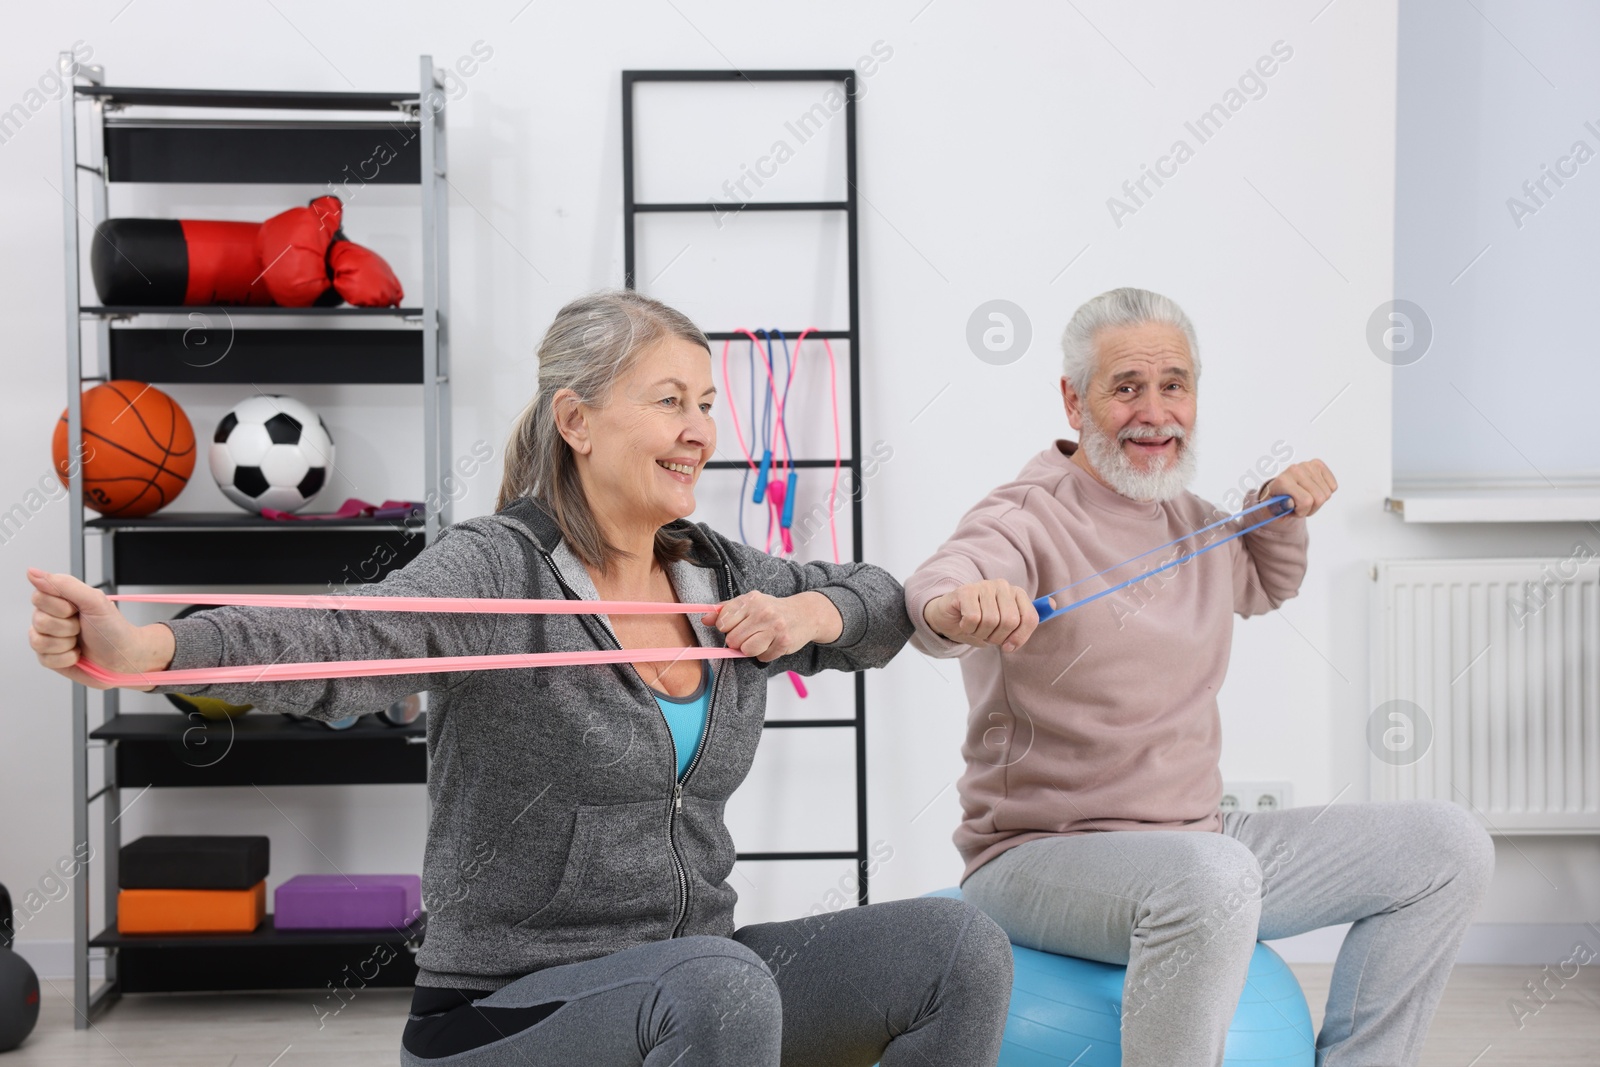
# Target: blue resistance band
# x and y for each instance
(1281, 505)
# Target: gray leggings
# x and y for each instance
(1183, 910)
(911, 982)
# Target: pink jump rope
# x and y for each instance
(775, 473)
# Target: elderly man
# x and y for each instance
(1092, 825)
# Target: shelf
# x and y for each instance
(265, 934)
(235, 520)
(274, 959)
(221, 354)
(232, 311)
(633, 210)
(1576, 503)
(238, 549)
(264, 727)
(325, 142)
(174, 750)
(250, 151)
(247, 98)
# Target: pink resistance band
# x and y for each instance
(287, 672)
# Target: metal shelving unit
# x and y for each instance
(209, 143)
(631, 209)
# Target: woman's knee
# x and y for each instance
(982, 951)
(974, 951)
(962, 960)
(721, 986)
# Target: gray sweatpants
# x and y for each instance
(1183, 911)
(921, 982)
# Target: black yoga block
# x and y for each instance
(193, 863)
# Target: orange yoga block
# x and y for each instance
(191, 911)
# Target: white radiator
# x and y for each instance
(1499, 661)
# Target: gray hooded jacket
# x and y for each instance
(559, 830)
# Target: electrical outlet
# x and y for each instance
(1256, 796)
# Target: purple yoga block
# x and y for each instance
(354, 902)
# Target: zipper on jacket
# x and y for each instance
(676, 806)
(677, 799)
(726, 582)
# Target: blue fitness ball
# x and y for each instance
(1068, 1011)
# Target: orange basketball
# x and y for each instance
(138, 449)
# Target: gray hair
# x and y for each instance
(593, 341)
(1112, 309)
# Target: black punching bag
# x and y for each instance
(19, 986)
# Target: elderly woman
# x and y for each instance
(577, 858)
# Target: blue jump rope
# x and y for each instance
(764, 471)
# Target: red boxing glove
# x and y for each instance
(293, 248)
(362, 276)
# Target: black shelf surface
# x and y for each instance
(228, 312)
(248, 98)
(215, 353)
(268, 958)
(339, 155)
(213, 548)
(231, 520)
(174, 750)
(263, 935)
(253, 727)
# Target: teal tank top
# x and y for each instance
(686, 717)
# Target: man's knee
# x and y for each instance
(1450, 836)
(1216, 886)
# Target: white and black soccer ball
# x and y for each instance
(271, 452)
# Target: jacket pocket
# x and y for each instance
(618, 875)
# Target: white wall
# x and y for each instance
(990, 141)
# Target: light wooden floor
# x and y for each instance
(1474, 1027)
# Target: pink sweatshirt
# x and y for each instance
(1107, 718)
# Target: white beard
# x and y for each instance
(1160, 482)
